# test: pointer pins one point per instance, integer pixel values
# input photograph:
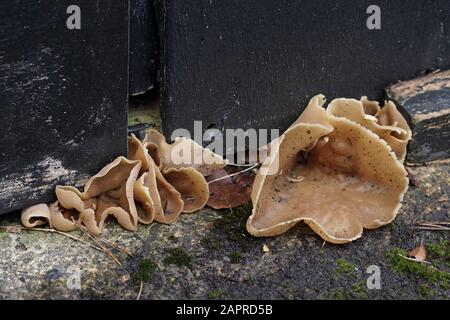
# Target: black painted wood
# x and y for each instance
(63, 95)
(144, 43)
(256, 63)
(425, 102)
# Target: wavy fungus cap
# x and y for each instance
(332, 173)
(182, 153)
(387, 122)
(109, 192)
(171, 190)
(135, 190)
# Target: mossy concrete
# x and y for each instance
(209, 255)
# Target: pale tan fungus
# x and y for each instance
(330, 169)
(387, 122)
(178, 189)
(183, 153)
(36, 216)
(192, 186)
(167, 201)
(158, 198)
(132, 191)
(109, 192)
(346, 179)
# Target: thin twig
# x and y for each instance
(140, 290)
(116, 246)
(438, 226)
(234, 174)
(429, 265)
(58, 232)
(430, 206)
(429, 225)
(105, 249)
(415, 260)
(435, 223)
(93, 238)
(433, 228)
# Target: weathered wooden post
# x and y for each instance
(256, 63)
(63, 94)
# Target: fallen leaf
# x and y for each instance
(419, 253)
(229, 192)
(265, 248)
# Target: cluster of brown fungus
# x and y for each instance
(144, 187)
(339, 170)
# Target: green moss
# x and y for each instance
(425, 271)
(3, 234)
(440, 249)
(339, 295)
(146, 269)
(360, 290)
(178, 257)
(392, 227)
(249, 279)
(210, 243)
(425, 291)
(144, 115)
(444, 284)
(215, 294)
(235, 257)
(232, 223)
(345, 267)
(245, 209)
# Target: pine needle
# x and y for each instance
(93, 238)
(54, 231)
(430, 206)
(140, 290)
(234, 174)
(116, 246)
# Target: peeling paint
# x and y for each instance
(39, 178)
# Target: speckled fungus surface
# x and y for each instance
(145, 187)
(387, 122)
(334, 171)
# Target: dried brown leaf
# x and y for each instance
(419, 253)
(229, 192)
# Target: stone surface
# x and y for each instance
(216, 258)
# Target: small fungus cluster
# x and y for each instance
(146, 186)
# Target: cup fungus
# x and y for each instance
(386, 122)
(132, 190)
(339, 170)
(183, 153)
(330, 172)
